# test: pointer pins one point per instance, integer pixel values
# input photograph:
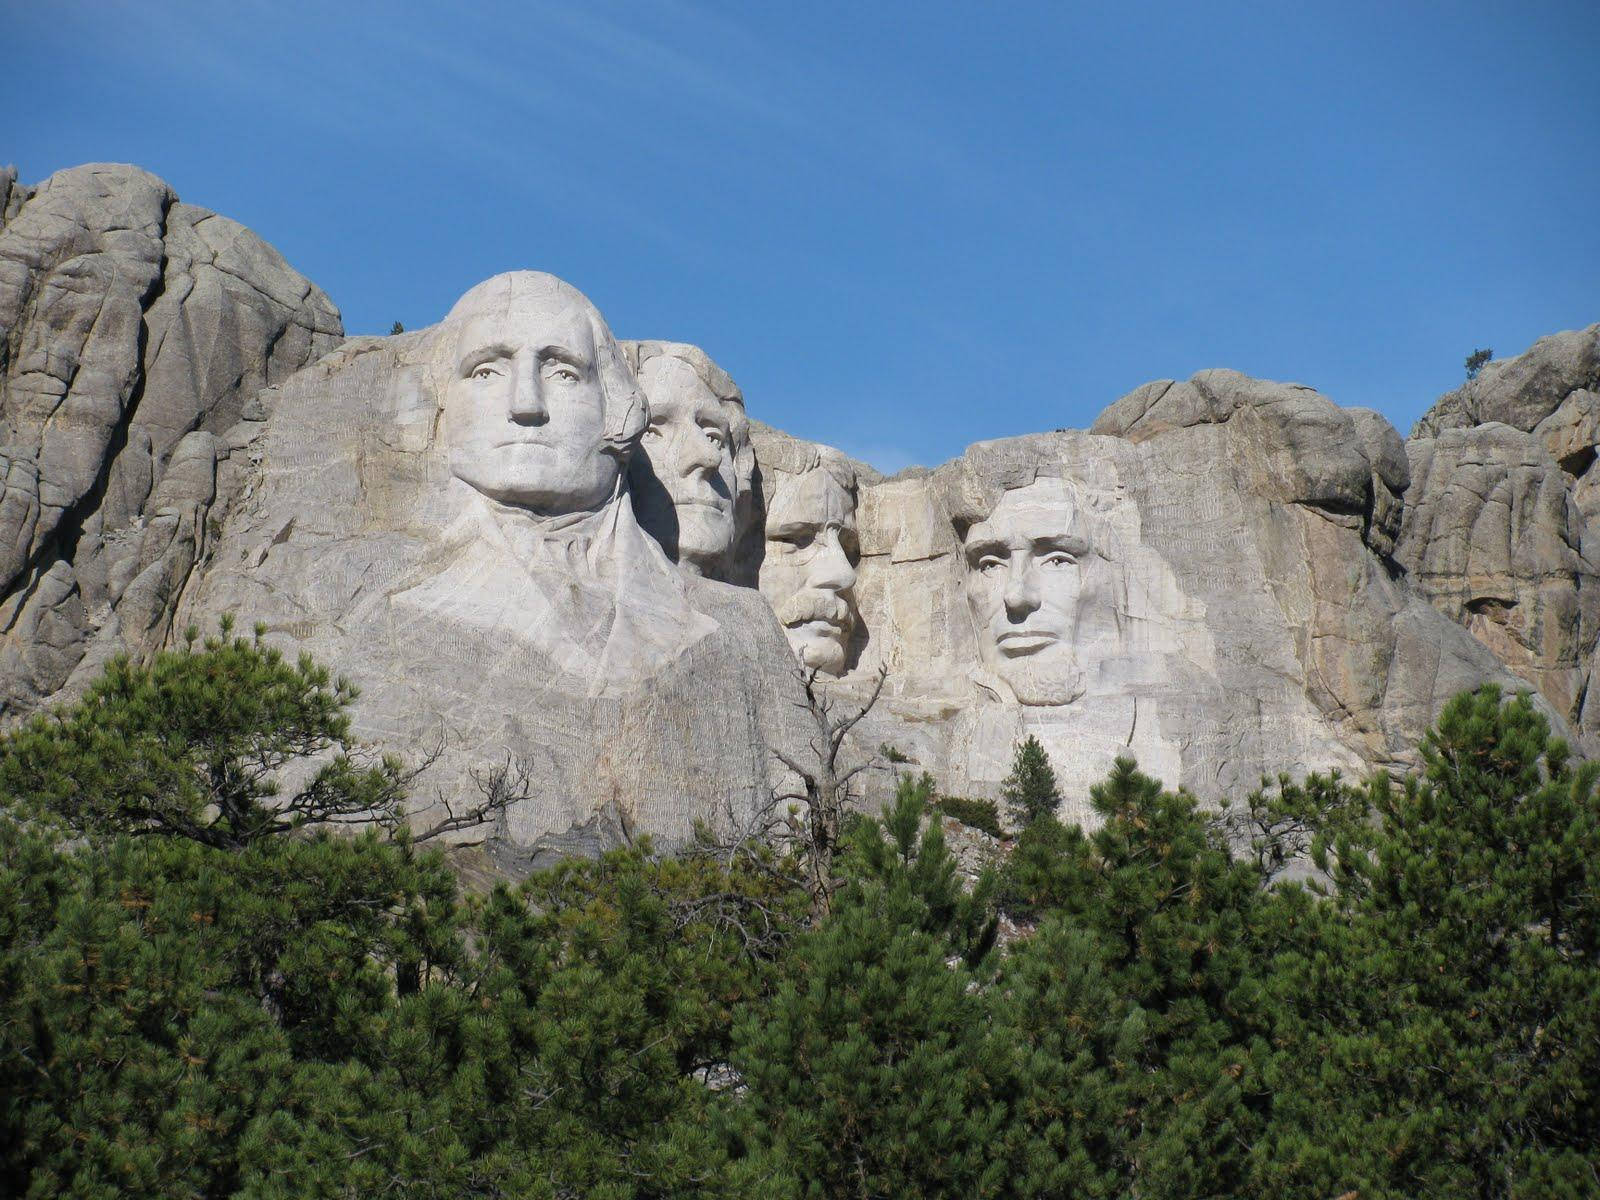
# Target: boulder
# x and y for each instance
(127, 321)
(1499, 527)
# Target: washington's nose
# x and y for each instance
(1022, 592)
(831, 568)
(527, 396)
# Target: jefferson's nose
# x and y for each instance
(1022, 592)
(831, 569)
(697, 452)
(527, 395)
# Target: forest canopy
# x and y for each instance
(207, 988)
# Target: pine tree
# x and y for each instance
(1446, 992)
(194, 744)
(869, 1072)
(1030, 791)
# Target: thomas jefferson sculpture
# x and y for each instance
(691, 479)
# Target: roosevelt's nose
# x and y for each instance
(527, 394)
(831, 569)
(1022, 592)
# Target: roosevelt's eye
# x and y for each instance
(990, 564)
(653, 432)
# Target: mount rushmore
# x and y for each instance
(531, 541)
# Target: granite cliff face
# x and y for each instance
(535, 545)
(136, 331)
(1502, 527)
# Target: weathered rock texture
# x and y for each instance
(1234, 605)
(1500, 528)
(1223, 577)
(352, 540)
(134, 330)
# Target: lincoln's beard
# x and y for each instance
(1041, 680)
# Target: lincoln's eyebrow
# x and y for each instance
(475, 358)
(1069, 542)
(986, 546)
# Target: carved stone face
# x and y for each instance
(525, 405)
(689, 451)
(1025, 587)
(809, 572)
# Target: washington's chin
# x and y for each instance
(542, 491)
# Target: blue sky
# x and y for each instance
(901, 227)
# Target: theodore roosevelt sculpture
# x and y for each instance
(540, 415)
(691, 480)
(1033, 582)
(808, 572)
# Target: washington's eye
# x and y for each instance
(561, 371)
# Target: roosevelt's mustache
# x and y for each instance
(813, 604)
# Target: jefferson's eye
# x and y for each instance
(714, 436)
(484, 371)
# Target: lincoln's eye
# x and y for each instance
(1058, 558)
(800, 539)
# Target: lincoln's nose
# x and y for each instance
(527, 396)
(1021, 594)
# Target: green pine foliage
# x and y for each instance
(1030, 791)
(1447, 991)
(208, 989)
(193, 745)
(869, 1071)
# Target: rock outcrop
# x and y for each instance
(1203, 580)
(134, 330)
(1500, 527)
(574, 567)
